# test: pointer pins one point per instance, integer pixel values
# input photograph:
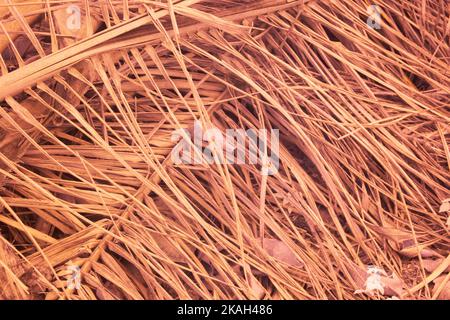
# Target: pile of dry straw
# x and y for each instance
(92, 205)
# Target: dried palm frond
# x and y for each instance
(92, 205)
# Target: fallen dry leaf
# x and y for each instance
(431, 265)
(393, 285)
(256, 287)
(445, 206)
(168, 248)
(403, 242)
(280, 251)
(394, 235)
(414, 251)
(444, 293)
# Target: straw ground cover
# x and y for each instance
(93, 207)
